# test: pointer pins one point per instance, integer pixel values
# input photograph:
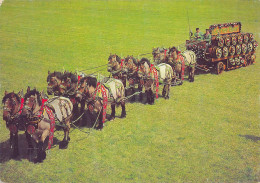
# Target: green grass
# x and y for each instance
(196, 136)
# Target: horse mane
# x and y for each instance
(118, 59)
(56, 74)
(34, 92)
(70, 75)
(91, 81)
(173, 49)
(134, 60)
(9, 95)
(143, 60)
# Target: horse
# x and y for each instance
(40, 115)
(54, 81)
(148, 76)
(165, 76)
(13, 104)
(117, 68)
(98, 94)
(159, 55)
(181, 61)
(132, 74)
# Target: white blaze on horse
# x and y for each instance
(181, 61)
(40, 115)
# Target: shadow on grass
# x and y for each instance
(251, 137)
(6, 151)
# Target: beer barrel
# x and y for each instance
(238, 49)
(240, 39)
(237, 61)
(221, 42)
(244, 48)
(232, 61)
(217, 52)
(225, 51)
(234, 40)
(227, 41)
(232, 50)
(246, 38)
(249, 47)
(251, 37)
(255, 45)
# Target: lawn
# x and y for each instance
(207, 131)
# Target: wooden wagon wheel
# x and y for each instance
(220, 67)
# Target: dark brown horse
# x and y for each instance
(116, 67)
(147, 76)
(159, 55)
(40, 119)
(13, 104)
(132, 65)
(54, 81)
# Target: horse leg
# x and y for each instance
(41, 154)
(29, 141)
(167, 91)
(151, 96)
(132, 89)
(64, 143)
(140, 88)
(82, 107)
(123, 113)
(164, 91)
(113, 113)
(192, 73)
(14, 144)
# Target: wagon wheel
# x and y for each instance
(220, 67)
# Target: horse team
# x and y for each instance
(37, 115)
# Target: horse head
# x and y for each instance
(32, 102)
(144, 66)
(69, 83)
(54, 81)
(173, 53)
(12, 105)
(131, 63)
(114, 60)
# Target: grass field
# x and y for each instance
(207, 132)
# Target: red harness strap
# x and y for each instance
(122, 62)
(180, 57)
(51, 116)
(156, 79)
(79, 78)
(105, 99)
(22, 102)
(165, 51)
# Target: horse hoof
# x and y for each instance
(112, 118)
(14, 155)
(123, 115)
(99, 127)
(63, 144)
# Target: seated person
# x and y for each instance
(207, 37)
(198, 35)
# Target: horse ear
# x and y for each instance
(49, 72)
(20, 93)
(28, 89)
(6, 92)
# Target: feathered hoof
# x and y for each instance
(63, 144)
(100, 126)
(30, 151)
(40, 157)
(123, 115)
(167, 97)
(15, 155)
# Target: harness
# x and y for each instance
(13, 126)
(32, 125)
(180, 60)
(153, 69)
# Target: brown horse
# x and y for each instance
(132, 74)
(98, 94)
(181, 61)
(159, 55)
(54, 81)
(13, 104)
(41, 116)
(116, 67)
(147, 76)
